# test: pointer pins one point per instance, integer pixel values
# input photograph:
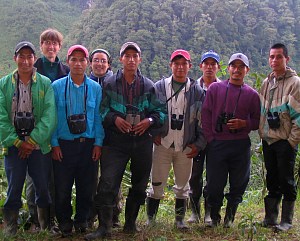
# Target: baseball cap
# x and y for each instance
(24, 44)
(239, 56)
(78, 47)
(180, 52)
(100, 51)
(128, 45)
(210, 54)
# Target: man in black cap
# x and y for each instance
(129, 109)
(28, 118)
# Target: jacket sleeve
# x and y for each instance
(99, 131)
(48, 117)
(294, 107)
(206, 116)
(8, 135)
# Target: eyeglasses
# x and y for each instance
(48, 43)
(102, 61)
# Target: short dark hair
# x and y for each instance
(281, 46)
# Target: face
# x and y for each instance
(209, 67)
(130, 60)
(277, 60)
(99, 64)
(50, 49)
(25, 60)
(180, 68)
(237, 71)
(77, 63)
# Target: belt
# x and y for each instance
(79, 139)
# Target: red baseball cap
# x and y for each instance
(180, 52)
(80, 48)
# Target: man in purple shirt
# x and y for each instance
(231, 110)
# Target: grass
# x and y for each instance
(246, 227)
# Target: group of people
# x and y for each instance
(56, 130)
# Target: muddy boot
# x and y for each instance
(43, 217)
(195, 207)
(287, 214)
(215, 217)
(180, 209)
(152, 209)
(131, 212)
(104, 230)
(207, 218)
(271, 212)
(230, 214)
(10, 218)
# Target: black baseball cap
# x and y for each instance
(24, 44)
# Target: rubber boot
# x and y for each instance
(43, 217)
(105, 226)
(152, 209)
(207, 218)
(10, 218)
(271, 212)
(215, 217)
(230, 214)
(180, 209)
(195, 207)
(287, 214)
(115, 220)
(131, 212)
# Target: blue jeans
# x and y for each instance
(230, 158)
(38, 166)
(77, 167)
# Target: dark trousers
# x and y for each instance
(38, 166)
(279, 159)
(230, 158)
(196, 180)
(77, 166)
(115, 156)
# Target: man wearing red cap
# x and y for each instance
(180, 139)
(77, 141)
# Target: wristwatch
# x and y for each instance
(151, 121)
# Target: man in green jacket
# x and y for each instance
(27, 120)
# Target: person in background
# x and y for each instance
(77, 141)
(50, 66)
(280, 132)
(27, 120)
(130, 110)
(209, 65)
(231, 110)
(180, 139)
(101, 60)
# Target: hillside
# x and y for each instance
(26, 19)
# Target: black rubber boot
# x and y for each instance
(152, 209)
(287, 214)
(180, 209)
(10, 218)
(271, 212)
(207, 218)
(195, 207)
(104, 230)
(43, 217)
(215, 217)
(230, 214)
(131, 212)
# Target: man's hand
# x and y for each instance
(141, 127)
(157, 140)
(194, 152)
(235, 124)
(96, 153)
(56, 153)
(25, 150)
(123, 125)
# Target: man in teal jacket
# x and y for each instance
(27, 120)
